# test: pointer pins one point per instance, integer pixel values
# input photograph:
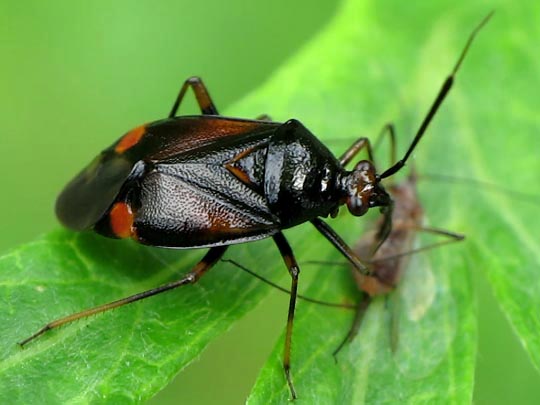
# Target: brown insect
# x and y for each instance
(389, 261)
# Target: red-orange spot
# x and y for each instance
(130, 139)
(240, 174)
(121, 220)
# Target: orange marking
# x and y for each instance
(130, 139)
(121, 220)
(239, 173)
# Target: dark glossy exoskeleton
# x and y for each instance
(212, 181)
(204, 181)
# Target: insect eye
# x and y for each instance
(358, 204)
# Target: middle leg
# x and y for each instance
(294, 271)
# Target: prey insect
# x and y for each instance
(389, 262)
(209, 181)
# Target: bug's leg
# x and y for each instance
(442, 232)
(263, 117)
(452, 238)
(211, 257)
(364, 142)
(355, 149)
(201, 94)
(357, 321)
(282, 289)
(294, 271)
(386, 227)
(340, 245)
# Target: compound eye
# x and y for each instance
(357, 206)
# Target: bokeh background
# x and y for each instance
(76, 75)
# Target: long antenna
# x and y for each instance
(447, 85)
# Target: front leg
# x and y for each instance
(340, 245)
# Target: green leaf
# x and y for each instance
(369, 66)
(430, 316)
(123, 355)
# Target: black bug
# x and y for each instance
(209, 181)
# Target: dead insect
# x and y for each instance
(391, 259)
(212, 181)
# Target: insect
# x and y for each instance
(391, 259)
(209, 181)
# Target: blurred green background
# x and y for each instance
(76, 75)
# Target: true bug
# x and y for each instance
(213, 181)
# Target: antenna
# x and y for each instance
(447, 85)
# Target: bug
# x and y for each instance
(209, 181)
(392, 258)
